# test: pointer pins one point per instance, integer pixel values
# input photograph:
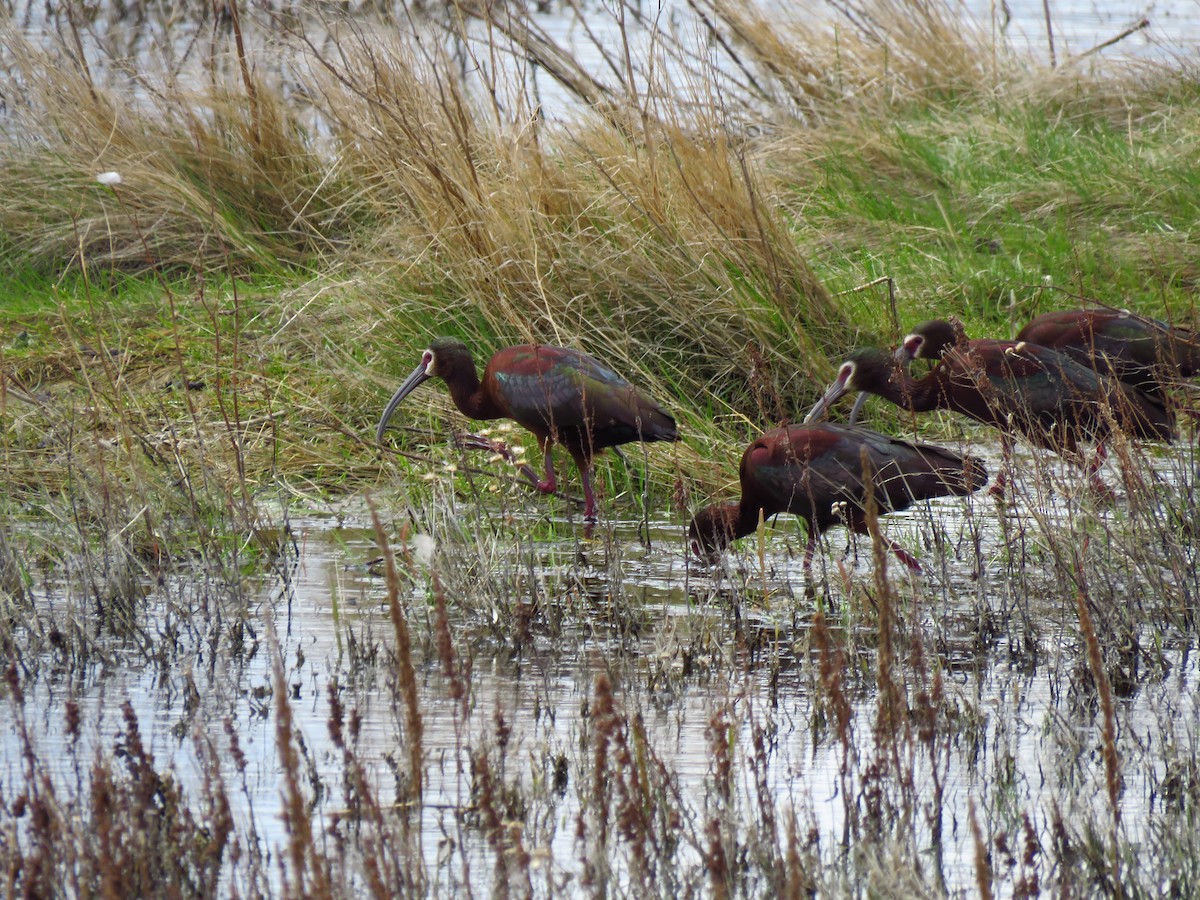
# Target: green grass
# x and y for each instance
(703, 269)
(992, 211)
(978, 209)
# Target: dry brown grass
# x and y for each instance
(651, 233)
(217, 175)
(664, 255)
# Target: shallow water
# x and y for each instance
(1077, 26)
(139, 47)
(683, 643)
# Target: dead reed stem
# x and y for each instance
(928, 712)
(832, 664)
(604, 723)
(715, 861)
(797, 881)
(1108, 719)
(983, 865)
(310, 876)
(1049, 32)
(486, 802)
(244, 67)
(445, 646)
(891, 709)
(406, 675)
(721, 768)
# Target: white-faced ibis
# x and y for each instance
(816, 472)
(1053, 401)
(1145, 353)
(562, 396)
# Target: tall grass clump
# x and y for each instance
(218, 174)
(660, 250)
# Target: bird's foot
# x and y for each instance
(479, 442)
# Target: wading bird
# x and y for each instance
(1145, 353)
(816, 472)
(562, 396)
(1050, 399)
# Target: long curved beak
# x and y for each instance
(903, 355)
(834, 392)
(411, 383)
(859, 403)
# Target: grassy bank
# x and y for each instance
(381, 201)
(196, 353)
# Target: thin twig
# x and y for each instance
(1049, 32)
(1132, 29)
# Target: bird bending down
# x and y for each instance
(1142, 352)
(816, 472)
(562, 396)
(1047, 397)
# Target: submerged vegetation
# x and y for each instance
(473, 695)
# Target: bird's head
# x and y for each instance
(443, 356)
(712, 530)
(863, 370)
(931, 339)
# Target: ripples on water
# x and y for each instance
(137, 43)
(683, 643)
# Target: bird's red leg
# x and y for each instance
(998, 486)
(858, 524)
(589, 495)
(548, 485)
(1099, 488)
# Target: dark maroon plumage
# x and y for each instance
(807, 470)
(1145, 353)
(1047, 397)
(562, 396)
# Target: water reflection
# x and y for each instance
(140, 45)
(685, 646)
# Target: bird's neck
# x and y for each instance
(723, 523)
(914, 394)
(744, 517)
(467, 394)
